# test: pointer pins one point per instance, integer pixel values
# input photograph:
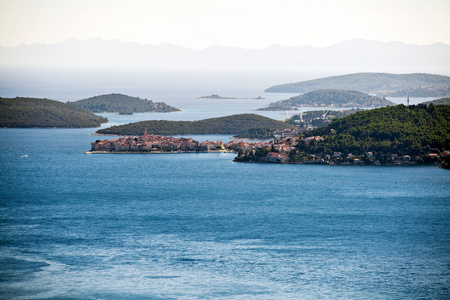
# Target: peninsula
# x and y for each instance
(32, 112)
(329, 98)
(385, 136)
(389, 135)
(383, 84)
(124, 104)
(150, 143)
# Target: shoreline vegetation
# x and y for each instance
(397, 135)
(390, 135)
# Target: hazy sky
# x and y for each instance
(242, 23)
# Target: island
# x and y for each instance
(382, 84)
(329, 98)
(391, 135)
(216, 97)
(396, 135)
(443, 101)
(119, 103)
(23, 112)
(235, 124)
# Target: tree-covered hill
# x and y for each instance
(122, 103)
(31, 112)
(384, 84)
(443, 101)
(223, 125)
(329, 98)
(320, 118)
(416, 130)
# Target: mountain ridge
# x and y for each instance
(362, 54)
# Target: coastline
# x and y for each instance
(156, 152)
(106, 134)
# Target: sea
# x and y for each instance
(200, 226)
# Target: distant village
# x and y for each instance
(149, 143)
(281, 149)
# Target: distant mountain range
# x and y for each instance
(351, 55)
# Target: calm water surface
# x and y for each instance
(198, 226)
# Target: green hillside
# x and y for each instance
(224, 125)
(31, 112)
(416, 130)
(443, 101)
(383, 84)
(329, 98)
(122, 104)
(320, 118)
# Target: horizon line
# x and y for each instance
(217, 45)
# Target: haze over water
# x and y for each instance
(199, 226)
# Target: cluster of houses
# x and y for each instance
(158, 143)
(276, 151)
(279, 151)
(288, 132)
(154, 143)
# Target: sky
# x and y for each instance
(198, 24)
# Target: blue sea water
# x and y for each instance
(199, 226)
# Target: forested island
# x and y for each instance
(124, 104)
(329, 98)
(389, 135)
(32, 112)
(443, 101)
(224, 125)
(382, 84)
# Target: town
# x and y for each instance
(284, 148)
(149, 143)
